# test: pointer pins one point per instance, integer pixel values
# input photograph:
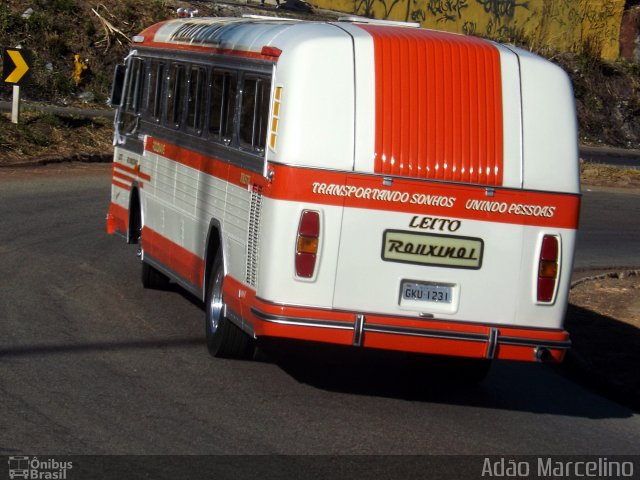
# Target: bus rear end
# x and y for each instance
(437, 210)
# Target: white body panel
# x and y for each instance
(549, 126)
(323, 86)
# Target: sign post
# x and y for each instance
(15, 105)
(15, 72)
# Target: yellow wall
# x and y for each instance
(561, 25)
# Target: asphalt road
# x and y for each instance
(609, 231)
(91, 363)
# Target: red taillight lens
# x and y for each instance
(548, 268)
(307, 243)
(271, 51)
(549, 250)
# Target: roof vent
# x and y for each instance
(252, 16)
(373, 21)
(186, 12)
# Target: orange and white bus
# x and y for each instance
(354, 182)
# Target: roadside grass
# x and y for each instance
(48, 136)
(598, 174)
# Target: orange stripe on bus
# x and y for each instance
(122, 176)
(120, 184)
(438, 106)
(186, 264)
(413, 196)
(117, 219)
(125, 168)
(240, 177)
(135, 171)
(428, 198)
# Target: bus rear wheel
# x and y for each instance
(224, 338)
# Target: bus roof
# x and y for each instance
(215, 33)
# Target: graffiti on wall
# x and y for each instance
(446, 10)
(501, 8)
(564, 25)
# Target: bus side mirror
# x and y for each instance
(118, 85)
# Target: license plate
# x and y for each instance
(426, 292)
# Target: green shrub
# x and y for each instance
(9, 20)
(63, 6)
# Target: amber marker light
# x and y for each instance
(275, 118)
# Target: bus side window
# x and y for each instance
(156, 90)
(195, 100)
(222, 105)
(175, 96)
(254, 113)
(133, 96)
(115, 100)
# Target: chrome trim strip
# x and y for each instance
(492, 344)
(358, 330)
(360, 327)
(300, 305)
(300, 322)
(418, 332)
(525, 342)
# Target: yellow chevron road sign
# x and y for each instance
(15, 68)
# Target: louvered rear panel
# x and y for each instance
(438, 106)
(253, 236)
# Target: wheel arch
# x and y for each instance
(135, 221)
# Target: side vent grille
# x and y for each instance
(253, 236)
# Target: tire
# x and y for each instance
(153, 279)
(224, 338)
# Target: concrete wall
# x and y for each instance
(591, 26)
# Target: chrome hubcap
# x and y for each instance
(216, 303)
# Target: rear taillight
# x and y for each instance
(307, 243)
(548, 268)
